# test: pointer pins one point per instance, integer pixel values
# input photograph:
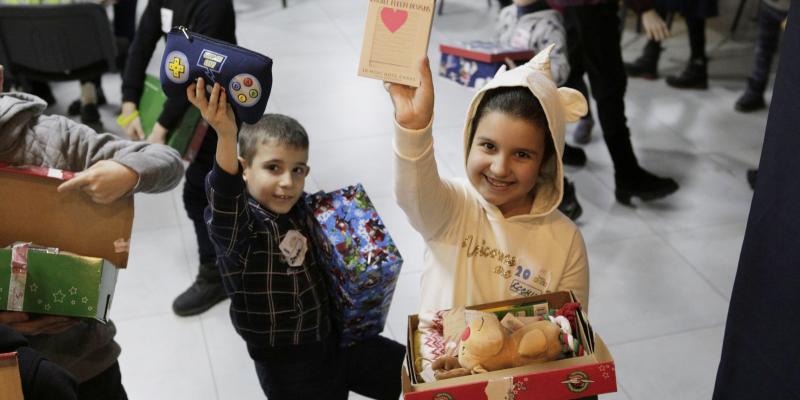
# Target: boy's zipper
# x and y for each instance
(190, 35)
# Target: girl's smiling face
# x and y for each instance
(504, 160)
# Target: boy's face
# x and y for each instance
(504, 160)
(277, 175)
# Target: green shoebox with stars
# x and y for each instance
(62, 284)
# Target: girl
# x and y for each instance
(499, 235)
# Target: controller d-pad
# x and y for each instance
(176, 67)
(245, 90)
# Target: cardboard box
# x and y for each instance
(10, 384)
(191, 131)
(591, 374)
(91, 240)
(396, 37)
(366, 261)
(474, 63)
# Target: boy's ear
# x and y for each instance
(243, 165)
(574, 104)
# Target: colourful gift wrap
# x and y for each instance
(474, 63)
(366, 261)
(39, 280)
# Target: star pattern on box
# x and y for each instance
(73, 290)
(58, 297)
(91, 308)
(84, 300)
(39, 301)
(47, 307)
(33, 288)
(72, 302)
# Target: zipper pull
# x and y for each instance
(185, 32)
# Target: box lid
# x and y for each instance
(484, 51)
(35, 212)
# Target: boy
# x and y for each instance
(271, 254)
(111, 168)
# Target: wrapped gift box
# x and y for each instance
(473, 63)
(589, 374)
(191, 131)
(10, 383)
(77, 245)
(55, 283)
(366, 261)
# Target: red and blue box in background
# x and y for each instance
(473, 63)
(366, 261)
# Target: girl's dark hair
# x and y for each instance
(519, 102)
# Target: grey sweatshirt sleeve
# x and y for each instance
(76, 147)
(550, 29)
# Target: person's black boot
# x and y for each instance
(646, 66)
(89, 114)
(42, 90)
(569, 202)
(695, 76)
(205, 292)
(573, 156)
(750, 101)
(74, 108)
(642, 184)
(582, 132)
(752, 177)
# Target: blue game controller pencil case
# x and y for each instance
(245, 74)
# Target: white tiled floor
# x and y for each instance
(661, 274)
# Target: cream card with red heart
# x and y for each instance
(395, 39)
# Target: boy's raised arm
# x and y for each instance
(220, 116)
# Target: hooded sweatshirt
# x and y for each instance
(535, 27)
(30, 138)
(474, 254)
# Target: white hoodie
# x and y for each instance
(474, 254)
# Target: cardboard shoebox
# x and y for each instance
(473, 63)
(366, 262)
(571, 378)
(59, 252)
(187, 137)
(10, 383)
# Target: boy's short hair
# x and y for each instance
(283, 129)
(519, 102)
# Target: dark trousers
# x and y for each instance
(370, 368)
(769, 34)
(106, 386)
(194, 195)
(593, 42)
